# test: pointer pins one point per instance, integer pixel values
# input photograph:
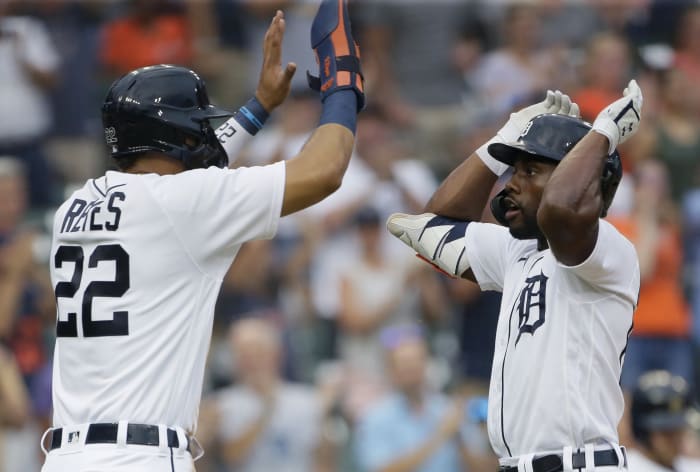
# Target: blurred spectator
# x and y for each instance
(410, 45)
(380, 176)
(407, 58)
(476, 316)
(691, 227)
(248, 285)
(510, 74)
(414, 429)
(660, 338)
(298, 15)
(219, 29)
(264, 423)
(377, 291)
(660, 408)
(467, 54)
(26, 303)
(567, 24)
(14, 414)
(606, 70)
(76, 145)
(151, 32)
(678, 132)
(28, 67)
(687, 56)
(401, 179)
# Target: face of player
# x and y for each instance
(523, 195)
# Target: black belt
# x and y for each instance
(106, 433)
(553, 462)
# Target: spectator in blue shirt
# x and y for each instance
(413, 428)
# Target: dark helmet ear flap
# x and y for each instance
(498, 208)
(612, 175)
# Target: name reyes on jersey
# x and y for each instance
(97, 215)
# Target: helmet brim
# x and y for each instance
(509, 153)
(210, 112)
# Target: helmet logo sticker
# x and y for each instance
(111, 135)
(526, 130)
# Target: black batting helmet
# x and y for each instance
(166, 109)
(660, 402)
(551, 137)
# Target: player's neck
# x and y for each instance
(156, 163)
(542, 244)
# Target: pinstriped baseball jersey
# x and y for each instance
(560, 342)
(137, 263)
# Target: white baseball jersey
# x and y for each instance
(137, 263)
(560, 341)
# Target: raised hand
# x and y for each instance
(620, 120)
(337, 53)
(275, 81)
(554, 102)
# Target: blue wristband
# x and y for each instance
(251, 116)
(341, 108)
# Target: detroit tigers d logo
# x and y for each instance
(531, 305)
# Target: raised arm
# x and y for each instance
(437, 235)
(273, 88)
(318, 169)
(465, 192)
(572, 201)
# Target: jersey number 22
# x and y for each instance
(119, 324)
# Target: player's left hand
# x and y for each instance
(619, 121)
(275, 81)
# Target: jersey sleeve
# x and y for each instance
(487, 248)
(215, 210)
(612, 266)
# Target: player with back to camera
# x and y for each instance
(139, 254)
(569, 279)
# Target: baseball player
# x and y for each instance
(569, 279)
(659, 410)
(139, 254)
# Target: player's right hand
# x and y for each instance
(554, 102)
(620, 120)
(337, 53)
(275, 82)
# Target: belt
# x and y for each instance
(106, 433)
(554, 463)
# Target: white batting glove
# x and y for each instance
(437, 240)
(620, 120)
(554, 102)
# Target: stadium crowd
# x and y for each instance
(333, 350)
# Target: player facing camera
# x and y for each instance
(544, 143)
(565, 273)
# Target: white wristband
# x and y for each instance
(233, 137)
(609, 129)
(497, 167)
